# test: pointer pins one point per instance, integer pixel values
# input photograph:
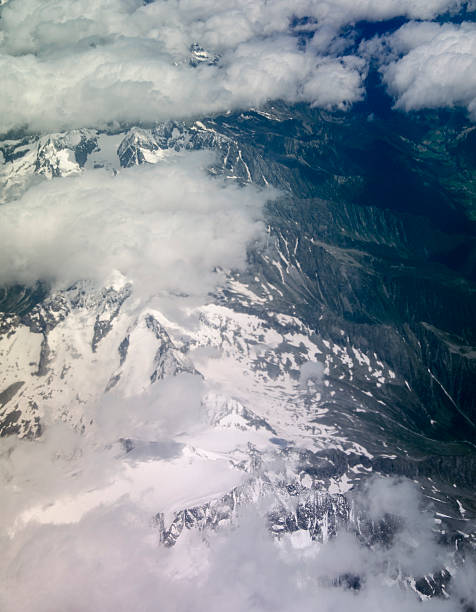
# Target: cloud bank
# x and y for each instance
(77, 64)
(172, 222)
(435, 66)
(107, 557)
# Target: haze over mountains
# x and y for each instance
(237, 305)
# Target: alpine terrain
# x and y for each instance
(237, 343)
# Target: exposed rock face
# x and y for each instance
(365, 286)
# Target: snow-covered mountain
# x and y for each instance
(331, 357)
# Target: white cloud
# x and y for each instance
(109, 559)
(166, 226)
(342, 78)
(135, 80)
(77, 64)
(435, 66)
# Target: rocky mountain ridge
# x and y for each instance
(363, 291)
